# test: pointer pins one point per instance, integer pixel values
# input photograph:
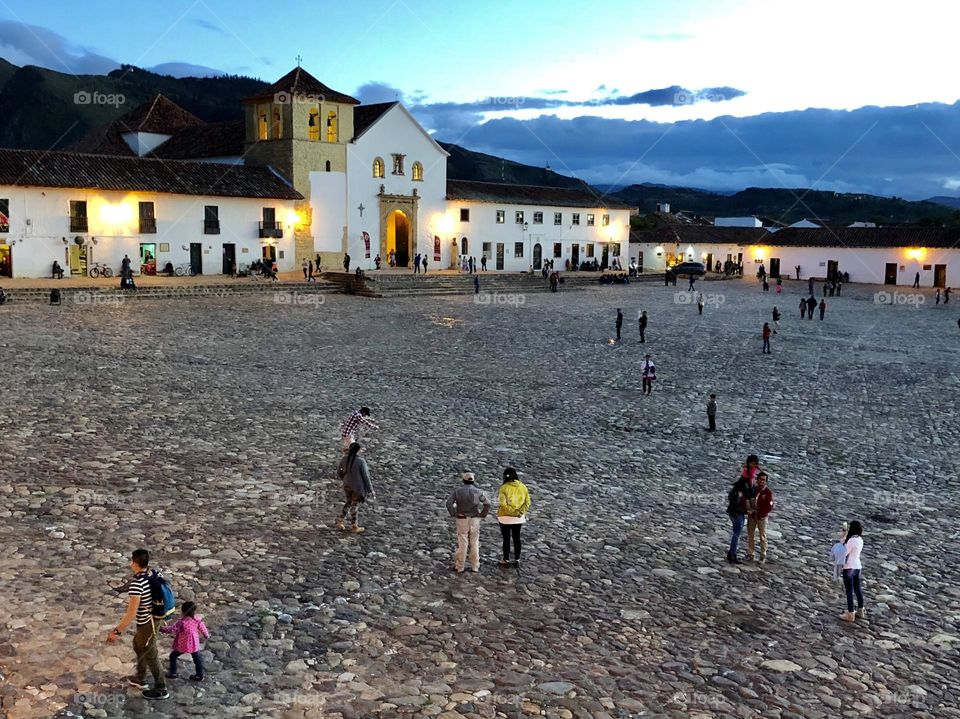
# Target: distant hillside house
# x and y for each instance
(309, 171)
(885, 255)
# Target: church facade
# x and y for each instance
(308, 172)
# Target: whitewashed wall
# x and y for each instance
(328, 201)
(483, 227)
(179, 220)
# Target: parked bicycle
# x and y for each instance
(98, 269)
(184, 270)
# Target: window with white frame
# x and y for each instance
(605, 220)
(519, 217)
(501, 216)
(576, 218)
(591, 219)
(518, 249)
(538, 218)
(558, 218)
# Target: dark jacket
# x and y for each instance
(355, 475)
(469, 500)
(740, 499)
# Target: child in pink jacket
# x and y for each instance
(186, 640)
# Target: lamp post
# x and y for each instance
(523, 240)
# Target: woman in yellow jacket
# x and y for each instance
(512, 507)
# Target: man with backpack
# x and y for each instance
(148, 598)
(739, 502)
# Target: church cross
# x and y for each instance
(361, 208)
(299, 60)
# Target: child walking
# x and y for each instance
(186, 640)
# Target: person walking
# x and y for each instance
(303, 266)
(350, 430)
(700, 304)
(937, 298)
(186, 632)
(468, 504)
(483, 263)
(779, 285)
(839, 284)
(346, 262)
(810, 286)
(776, 320)
(310, 277)
(757, 519)
(766, 338)
(823, 308)
(712, 413)
(513, 503)
(803, 308)
(619, 322)
(916, 281)
(811, 306)
(423, 261)
(946, 296)
(739, 503)
(140, 609)
(649, 375)
(416, 264)
(693, 280)
(643, 326)
(317, 264)
(353, 472)
(476, 284)
(851, 572)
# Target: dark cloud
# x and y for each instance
(890, 150)
(24, 44)
(373, 92)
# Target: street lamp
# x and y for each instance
(523, 240)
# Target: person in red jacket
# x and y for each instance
(757, 520)
(766, 338)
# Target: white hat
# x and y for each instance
(468, 477)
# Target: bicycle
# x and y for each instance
(183, 270)
(98, 268)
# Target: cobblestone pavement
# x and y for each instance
(205, 430)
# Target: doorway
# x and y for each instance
(269, 253)
(196, 258)
(939, 275)
(832, 267)
(605, 258)
(709, 264)
(148, 258)
(890, 274)
(6, 261)
(537, 256)
(77, 259)
(640, 261)
(575, 256)
(398, 237)
(229, 257)
(774, 267)
(499, 255)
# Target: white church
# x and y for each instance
(310, 172)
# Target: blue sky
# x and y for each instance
(526, 78)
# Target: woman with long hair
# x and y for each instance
(356, 486)
(851, 572)
(512, 507)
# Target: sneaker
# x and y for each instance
(763, 560)
(516, 563)
(505, 562)
(358, 530)
(340, 523)
(138, 683)
(861, 613)
(848, 616)
(155, 693)
(734, 560)
(195, 678)
(168, 675)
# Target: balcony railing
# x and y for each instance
(271, 229)
(212, 227)
(148, 225)
(78, 223)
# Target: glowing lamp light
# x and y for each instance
(759, 252)
(916, 253)
(117, 214)
(444, 223)
(294, 218)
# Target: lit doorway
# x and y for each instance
(537, 256)
(398, 237)
(148, 258)
(890, 274)
(6, 261)
(499, 255)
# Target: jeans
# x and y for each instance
(468, 539)
(197, 663)
(737, 521)
(766, 345)
(851, 582)
(508, 531)
(145, 647)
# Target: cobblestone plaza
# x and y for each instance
(207, 431)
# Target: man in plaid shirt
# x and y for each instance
(351, 428)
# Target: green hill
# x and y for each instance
(464, 164)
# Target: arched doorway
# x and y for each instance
(398, 236)
(537, 256)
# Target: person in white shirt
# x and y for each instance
(851, 572)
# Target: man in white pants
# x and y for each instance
(468, 504)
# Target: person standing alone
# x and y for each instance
(513, 503)
(643, 326)
(851, 572)
(766, 338)
(619, 322)
(649, 375)
(712, 413)
(700, 303)
(776, 320)
(468, 504)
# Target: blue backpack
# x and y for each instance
(164, 603)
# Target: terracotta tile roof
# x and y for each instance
(862, 237)
(300, 82)
(365, 115)
(503, 193)
(161, 115)
(215, 139)
(34, 168)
